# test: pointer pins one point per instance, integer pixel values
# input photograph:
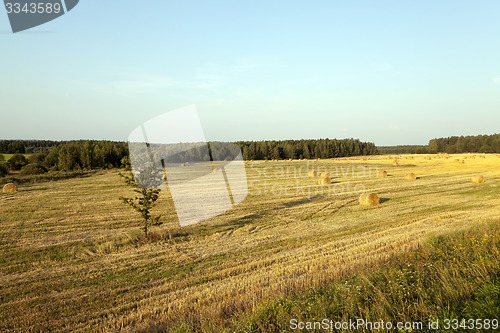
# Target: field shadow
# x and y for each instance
(383, 200)
(247, 219)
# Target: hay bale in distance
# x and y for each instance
(325, 180)
(325, 174)
(9, 188)
(382, 173)
(411, 176)
(369, 199)
(313, 173)
(477, 179)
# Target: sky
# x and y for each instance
(388, 72)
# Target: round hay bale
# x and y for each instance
(325, 180)
(369, 199)
(313, 173)
(325, 174)
(477, 179)
(411, 176)
(9, 188)
(382, 173)
(395, 163)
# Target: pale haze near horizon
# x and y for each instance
(389, 72)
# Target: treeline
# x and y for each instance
(68, 156)
(466, 144)
(307, 149)
(406, 149)
(27, 146)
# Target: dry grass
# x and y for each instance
(72, 256)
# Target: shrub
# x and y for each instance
(33, 169)
(4, 170)
(37, 158)
(17, 161)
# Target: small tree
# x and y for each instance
(17, 161)
(143, 202)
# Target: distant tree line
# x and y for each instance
(68, 156)
(307, 149)
(48, 155)
(406, 149)
(466, 144)
(91, 154)
(27, 146)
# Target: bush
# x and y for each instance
(17, 161)
(37, 158)
(32, 169)
(4, 170)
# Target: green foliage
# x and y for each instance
(4, 169)
(405, 149)
(2, 158)
(86, 155)
(37, 158)
(296, 149)
(68, 155)
(125, 163)
(27, 146)
(50, 176)
(143, 202)
(17, 161)
(32, 169)
(466, 144)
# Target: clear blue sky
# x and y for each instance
(390, 72)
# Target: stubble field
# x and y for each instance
(73, 257)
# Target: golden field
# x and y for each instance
(73, 257)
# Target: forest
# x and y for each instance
(466, 144)
(307, 149)
(39, 156)
(36, 157)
